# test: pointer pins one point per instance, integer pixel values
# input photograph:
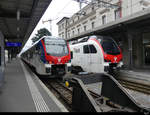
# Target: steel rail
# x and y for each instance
(135, 86)
(61, 91)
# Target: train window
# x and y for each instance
(110, 47)
(92, 49)
(71, 55)
(86, 49)
(37, 47)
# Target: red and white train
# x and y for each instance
(49, 56)
(96, 54)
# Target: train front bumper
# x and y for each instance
(112, 66)
(48, 68)
(69, 67)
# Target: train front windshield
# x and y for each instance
(56, 47)
(110, 47)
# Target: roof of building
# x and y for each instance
(64, 18)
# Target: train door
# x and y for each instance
(86, 62)
(96, 65)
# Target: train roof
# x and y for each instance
(35, 43)
(52, 37)
(86, 38)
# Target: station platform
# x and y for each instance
(138, 75)
(24, 92)
(141, 76)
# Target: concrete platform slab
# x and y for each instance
(23, 92)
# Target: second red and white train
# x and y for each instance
(96, 54)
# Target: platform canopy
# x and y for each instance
(18, 18)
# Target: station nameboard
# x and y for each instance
(13, 44)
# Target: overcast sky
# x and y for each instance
(56, 11)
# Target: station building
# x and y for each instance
(126, 21)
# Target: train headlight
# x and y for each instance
(106, 64)
(50, 62)
(120, 64)
(48, 65)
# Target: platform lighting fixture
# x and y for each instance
(6, 40)
(148, 46)
(18, 15)
(18, 29)
(18, 35)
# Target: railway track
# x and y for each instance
(107, 105)
(63, 93)
(135, 86)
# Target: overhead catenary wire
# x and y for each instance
(62, 9)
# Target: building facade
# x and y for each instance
(98, 14)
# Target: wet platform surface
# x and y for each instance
(23, 92)
(143, 99)
(140, 76)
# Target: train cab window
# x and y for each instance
(86, 49)
(110, 47)
(92, 49)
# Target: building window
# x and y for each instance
(78, 30)
(68, 35)
(93, 8)
(104, 19)
(117, 14)
(84, 28)
(78, 17)
(60, 28)
(73, 33)
(93, 25)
